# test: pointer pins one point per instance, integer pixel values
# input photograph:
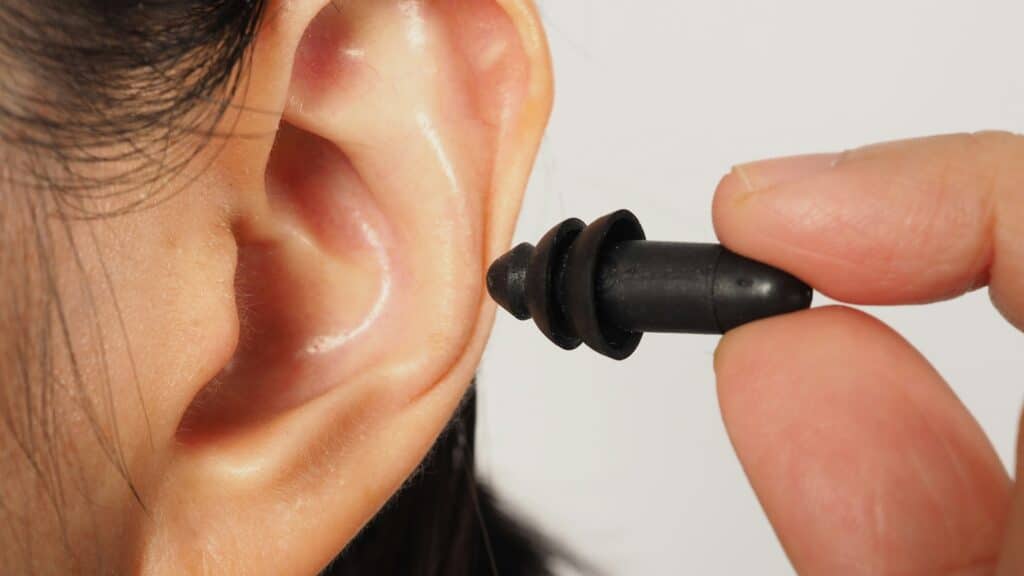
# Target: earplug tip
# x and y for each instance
(506, 280)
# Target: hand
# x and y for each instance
(862, 457)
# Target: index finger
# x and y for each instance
(903, 222)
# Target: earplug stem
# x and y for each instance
(691, 288)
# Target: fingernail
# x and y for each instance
(767, 173)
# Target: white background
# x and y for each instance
(629, 463)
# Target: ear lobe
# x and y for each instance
(406, 139)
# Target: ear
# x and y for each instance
(404, 132)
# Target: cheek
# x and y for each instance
(140, 309)
(178, 290)
(153, 315)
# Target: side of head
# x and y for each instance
(242, 257)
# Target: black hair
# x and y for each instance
(111, 99)
(105, 103)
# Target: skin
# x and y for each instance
(871, 465)
(283, 340)
(303, 318)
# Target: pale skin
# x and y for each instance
(861, 455)
(305, 317)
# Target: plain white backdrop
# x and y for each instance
(628, 463)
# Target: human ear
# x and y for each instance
(403, 134)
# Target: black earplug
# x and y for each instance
(605, 285)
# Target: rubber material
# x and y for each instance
(605, 285)
(546, 283)
(585, 264)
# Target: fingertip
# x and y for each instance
(904, 222)
(777, 343)
(764, 367)
(745, 180)
(725, 193)
(855, 446)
